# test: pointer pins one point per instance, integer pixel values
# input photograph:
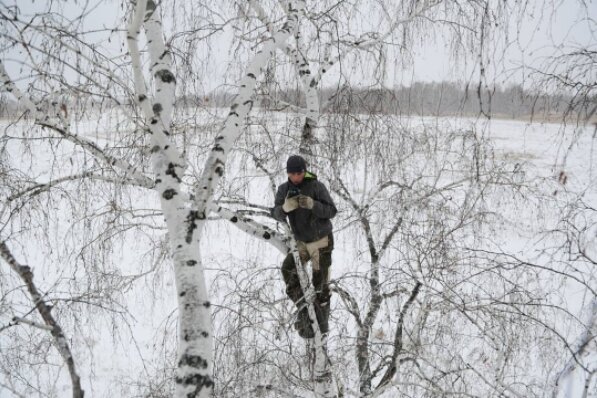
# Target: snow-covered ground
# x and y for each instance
(116, 295)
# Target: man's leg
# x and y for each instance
(321, 279)
(294, 291)
(291, 279)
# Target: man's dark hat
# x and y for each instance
(296, 164)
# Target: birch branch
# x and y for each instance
(215, 163)
(398, 338)
(369, 40)
(254, 228)
(59, 339)
(44, 187)
(17, 321)
(7, 84)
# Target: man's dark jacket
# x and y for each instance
(307, 225)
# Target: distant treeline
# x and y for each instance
(439, 99)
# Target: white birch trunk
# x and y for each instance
(322, 376)
(195, 347)
(185, 225)
(576, 378)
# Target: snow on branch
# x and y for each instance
(254, 228)
(37, 189)
(370, 39)
(59, 339)
(45, 121)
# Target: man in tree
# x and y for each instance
(308, 205)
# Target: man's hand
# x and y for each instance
(305, 202)
(290, 204)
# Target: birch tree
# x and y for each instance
(412, 315)
(185, 213)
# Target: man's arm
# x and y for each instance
(323, 205)
(277, 211)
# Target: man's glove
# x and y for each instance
(290, 204)
(305, 202)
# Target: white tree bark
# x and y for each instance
(195, 349)
(576, 378)
(185, 224)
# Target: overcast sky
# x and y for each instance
(562, 25)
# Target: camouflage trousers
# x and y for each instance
(320, 255)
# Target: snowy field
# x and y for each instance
(478, 208)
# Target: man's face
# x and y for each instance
(296, 177)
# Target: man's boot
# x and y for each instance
(303, 324)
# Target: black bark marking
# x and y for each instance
(204, 334)
(266, 235)
(251, 75)
(313, 83)
(155, 149)
(169, 193)
(158, 180)
(166, 132)
(199, 381)
(191, 263)
(218, 148)
(194, 361)
(206, 304)
(142, 97)
(234, 219)
(157, 108)
(165, 75)
(219, 171)
(192, 225)
(182, 294)
(171, 171)
(154, 121)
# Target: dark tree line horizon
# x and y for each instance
(419, 99)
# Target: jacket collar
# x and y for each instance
(308, 177)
